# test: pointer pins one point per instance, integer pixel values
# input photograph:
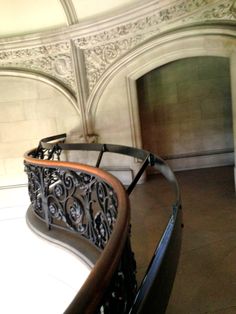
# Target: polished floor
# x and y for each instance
(206, 276)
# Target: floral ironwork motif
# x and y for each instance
(74, 200)
(51, 153)
(123, 286)
(83, 200)
(34, 189)
(83, 203)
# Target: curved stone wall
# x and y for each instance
(30, 108)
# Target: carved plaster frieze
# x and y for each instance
(225, 10)
(97, 60)
(104, 48)
(157, 18)
(53, 60)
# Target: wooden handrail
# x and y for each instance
(92, 292)
(115, 268)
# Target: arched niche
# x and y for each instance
(32, 107)
(116, 93)
(185, 110)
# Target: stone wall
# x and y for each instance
(30, 110)
(186, 110)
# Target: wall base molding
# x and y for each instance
(207, 161)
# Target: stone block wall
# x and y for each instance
(30, 110)
(185, 108)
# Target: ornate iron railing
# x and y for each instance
(92, 204)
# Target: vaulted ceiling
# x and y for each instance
(20, 17)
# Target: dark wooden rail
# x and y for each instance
(111, 285)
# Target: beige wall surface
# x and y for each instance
(30, 110)
(185, 107)
(101, 60)
(192, 98)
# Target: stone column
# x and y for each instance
(233, 93)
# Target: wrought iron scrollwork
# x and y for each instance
(123, 286)
(34, 189)
(52, 153)
(73, 200)
(81, 202)
(84, 203)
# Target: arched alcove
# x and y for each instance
(116, 93)
(31, 108)
(185, 111)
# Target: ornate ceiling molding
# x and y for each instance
(103, 42)
(158, 18)
(104, 48)
(69, 11)
(53, 60)
(224, 10)
(154, 20)
(218, 39)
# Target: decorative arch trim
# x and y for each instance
(212, 40)
(205, 36)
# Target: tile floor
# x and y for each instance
(206, 277)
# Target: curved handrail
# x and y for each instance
(147, 157)
(93, 291)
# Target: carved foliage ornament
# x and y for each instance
(106, 47)
(54, 60)
(97, 60)
(224, 10)
(157, 17)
